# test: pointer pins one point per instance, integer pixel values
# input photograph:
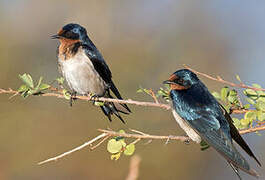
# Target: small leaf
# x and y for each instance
(204, 145)
(60, 80)
(44, 87)
(250, 116)
(114, 146)
(129, 150)
(246, 106)
(115, 156)
(256, 85)
(27, 79)
(261, 115)
(236, 122)
(260, 105)
(23, 88)
(99, 103)
(232, 97)
(39, 83)
(216, 95)
(122, 131)
(251, 93)
(244, 122)
(238, 78)
(224, 93)
(251, 101)
(139, 90)
(66, 94)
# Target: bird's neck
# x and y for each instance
(68, 48)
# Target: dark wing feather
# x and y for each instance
(237, 137)
(102, 69)
(220, 140)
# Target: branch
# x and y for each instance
(59, 94)
(219, 79)
(138, 137)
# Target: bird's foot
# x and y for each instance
(187, 141)
(72, 98)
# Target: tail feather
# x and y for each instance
(110, 109)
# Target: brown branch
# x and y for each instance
(59, 94)
(109, 133)
(219, 79)
(134, 168)
(252, 129)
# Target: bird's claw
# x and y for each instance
(72, 98)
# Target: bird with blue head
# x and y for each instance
(202, 117)
(85, 70)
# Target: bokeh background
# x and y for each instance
(143, 42)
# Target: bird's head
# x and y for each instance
(182, 79)
(71, 32)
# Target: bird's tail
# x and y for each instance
(110, 108)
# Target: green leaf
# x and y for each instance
(232, 97)
(204, 145)
(114, 146)
(251, 101)
(39, 83)
(260, 105)
(60, 80)
(224, 93)
(23, 88)
(99, 103)
(256, 85)
(251, 93)
(122, 131)
(66, 94)
(139, 90)
(261, 115)
(236, 122)
(129, 150)
(245, 122)
(246, 106)
(44, 87)
(27, 79)
(216, 95)
(238, 78)
(250, 116)
(115, 156)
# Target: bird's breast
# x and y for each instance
(81, 76)
(186, 127)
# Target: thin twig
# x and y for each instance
(75, 149)
(98, 144)
(108, 133)
(219, 79)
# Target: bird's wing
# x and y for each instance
(215, 131)
(102, 69)
(237, 137)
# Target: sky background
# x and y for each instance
(143, 42)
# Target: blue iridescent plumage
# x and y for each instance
(201, 111)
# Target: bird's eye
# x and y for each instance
(181, 81)
(75, 31)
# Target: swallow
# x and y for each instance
(85, 70)
(202, 117)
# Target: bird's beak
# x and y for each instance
(56, 36)
(168, 82)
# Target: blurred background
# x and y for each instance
(143, 42)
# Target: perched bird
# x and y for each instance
(201, 116)
(85, 69)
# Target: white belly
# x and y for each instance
(185, 126)
(81, 75)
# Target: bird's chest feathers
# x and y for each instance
(67, 49)
(185, 126)
(81, 75)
